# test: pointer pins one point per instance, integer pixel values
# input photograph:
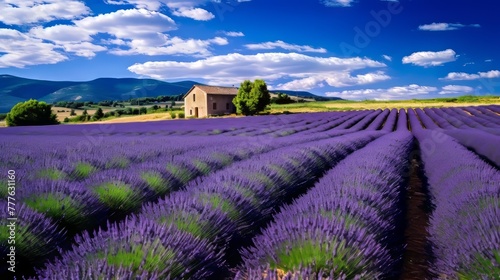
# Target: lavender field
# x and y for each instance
(379, 194)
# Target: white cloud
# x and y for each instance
(194, 13)
(84, 49)
(61, 33)
(131, 32)
(334, 79)
(285, 46)
(187, 9)
(233, 68)
(445, 26)
(386, 57)
(140, 31)
(233, 34)
(20, 50)
(401, 92)
(165, 45)
(454, 89)
(337, 3)
(430, 58)
(15, 12)
(460, 76)
(130, 24)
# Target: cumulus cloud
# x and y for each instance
(129, 32)
(165, 45)
(400, 92)
(194, 13)
(337, 3)
(62, 33)
(233, 68)
(130, 24)
(15, 12)
(429, 58)
(233, 34)
(455, 89)
(76, 43)
(189, 9)
(386, 57)
(285, 46)
(461, 76)
(334, 79)
(441, 26)
(135, 31)
(20, 50)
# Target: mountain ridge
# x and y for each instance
(15, 89)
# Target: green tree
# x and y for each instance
(282, 99)
(143, 111)
(85, 113)
(72, 112)
(252, 97)
(172, 104)
(31, 112)
(99, 114)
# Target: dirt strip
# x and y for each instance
(415, 259)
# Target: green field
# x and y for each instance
(348, 105)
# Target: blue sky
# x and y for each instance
(355, 49)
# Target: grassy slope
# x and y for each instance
(340, 105)
(346, 105)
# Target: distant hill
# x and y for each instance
(305, 95)
(15, 89)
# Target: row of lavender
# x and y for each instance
(464, 190)
(363, 120)
(67, 198)
(477, 128)
(219, 213)
(464, 224)
(349, 226)
(189, 165)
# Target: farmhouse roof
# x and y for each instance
(215, 90)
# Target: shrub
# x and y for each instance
(181, 115)
(282, 99)
(172, 115)
(252, 97)
(31, 112)
(98, 114)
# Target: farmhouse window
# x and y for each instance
(190, 112)
(194, 97)
(215, 106)
(227, 106)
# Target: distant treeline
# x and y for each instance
(115, 103)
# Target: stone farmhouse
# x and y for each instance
(203, 101)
